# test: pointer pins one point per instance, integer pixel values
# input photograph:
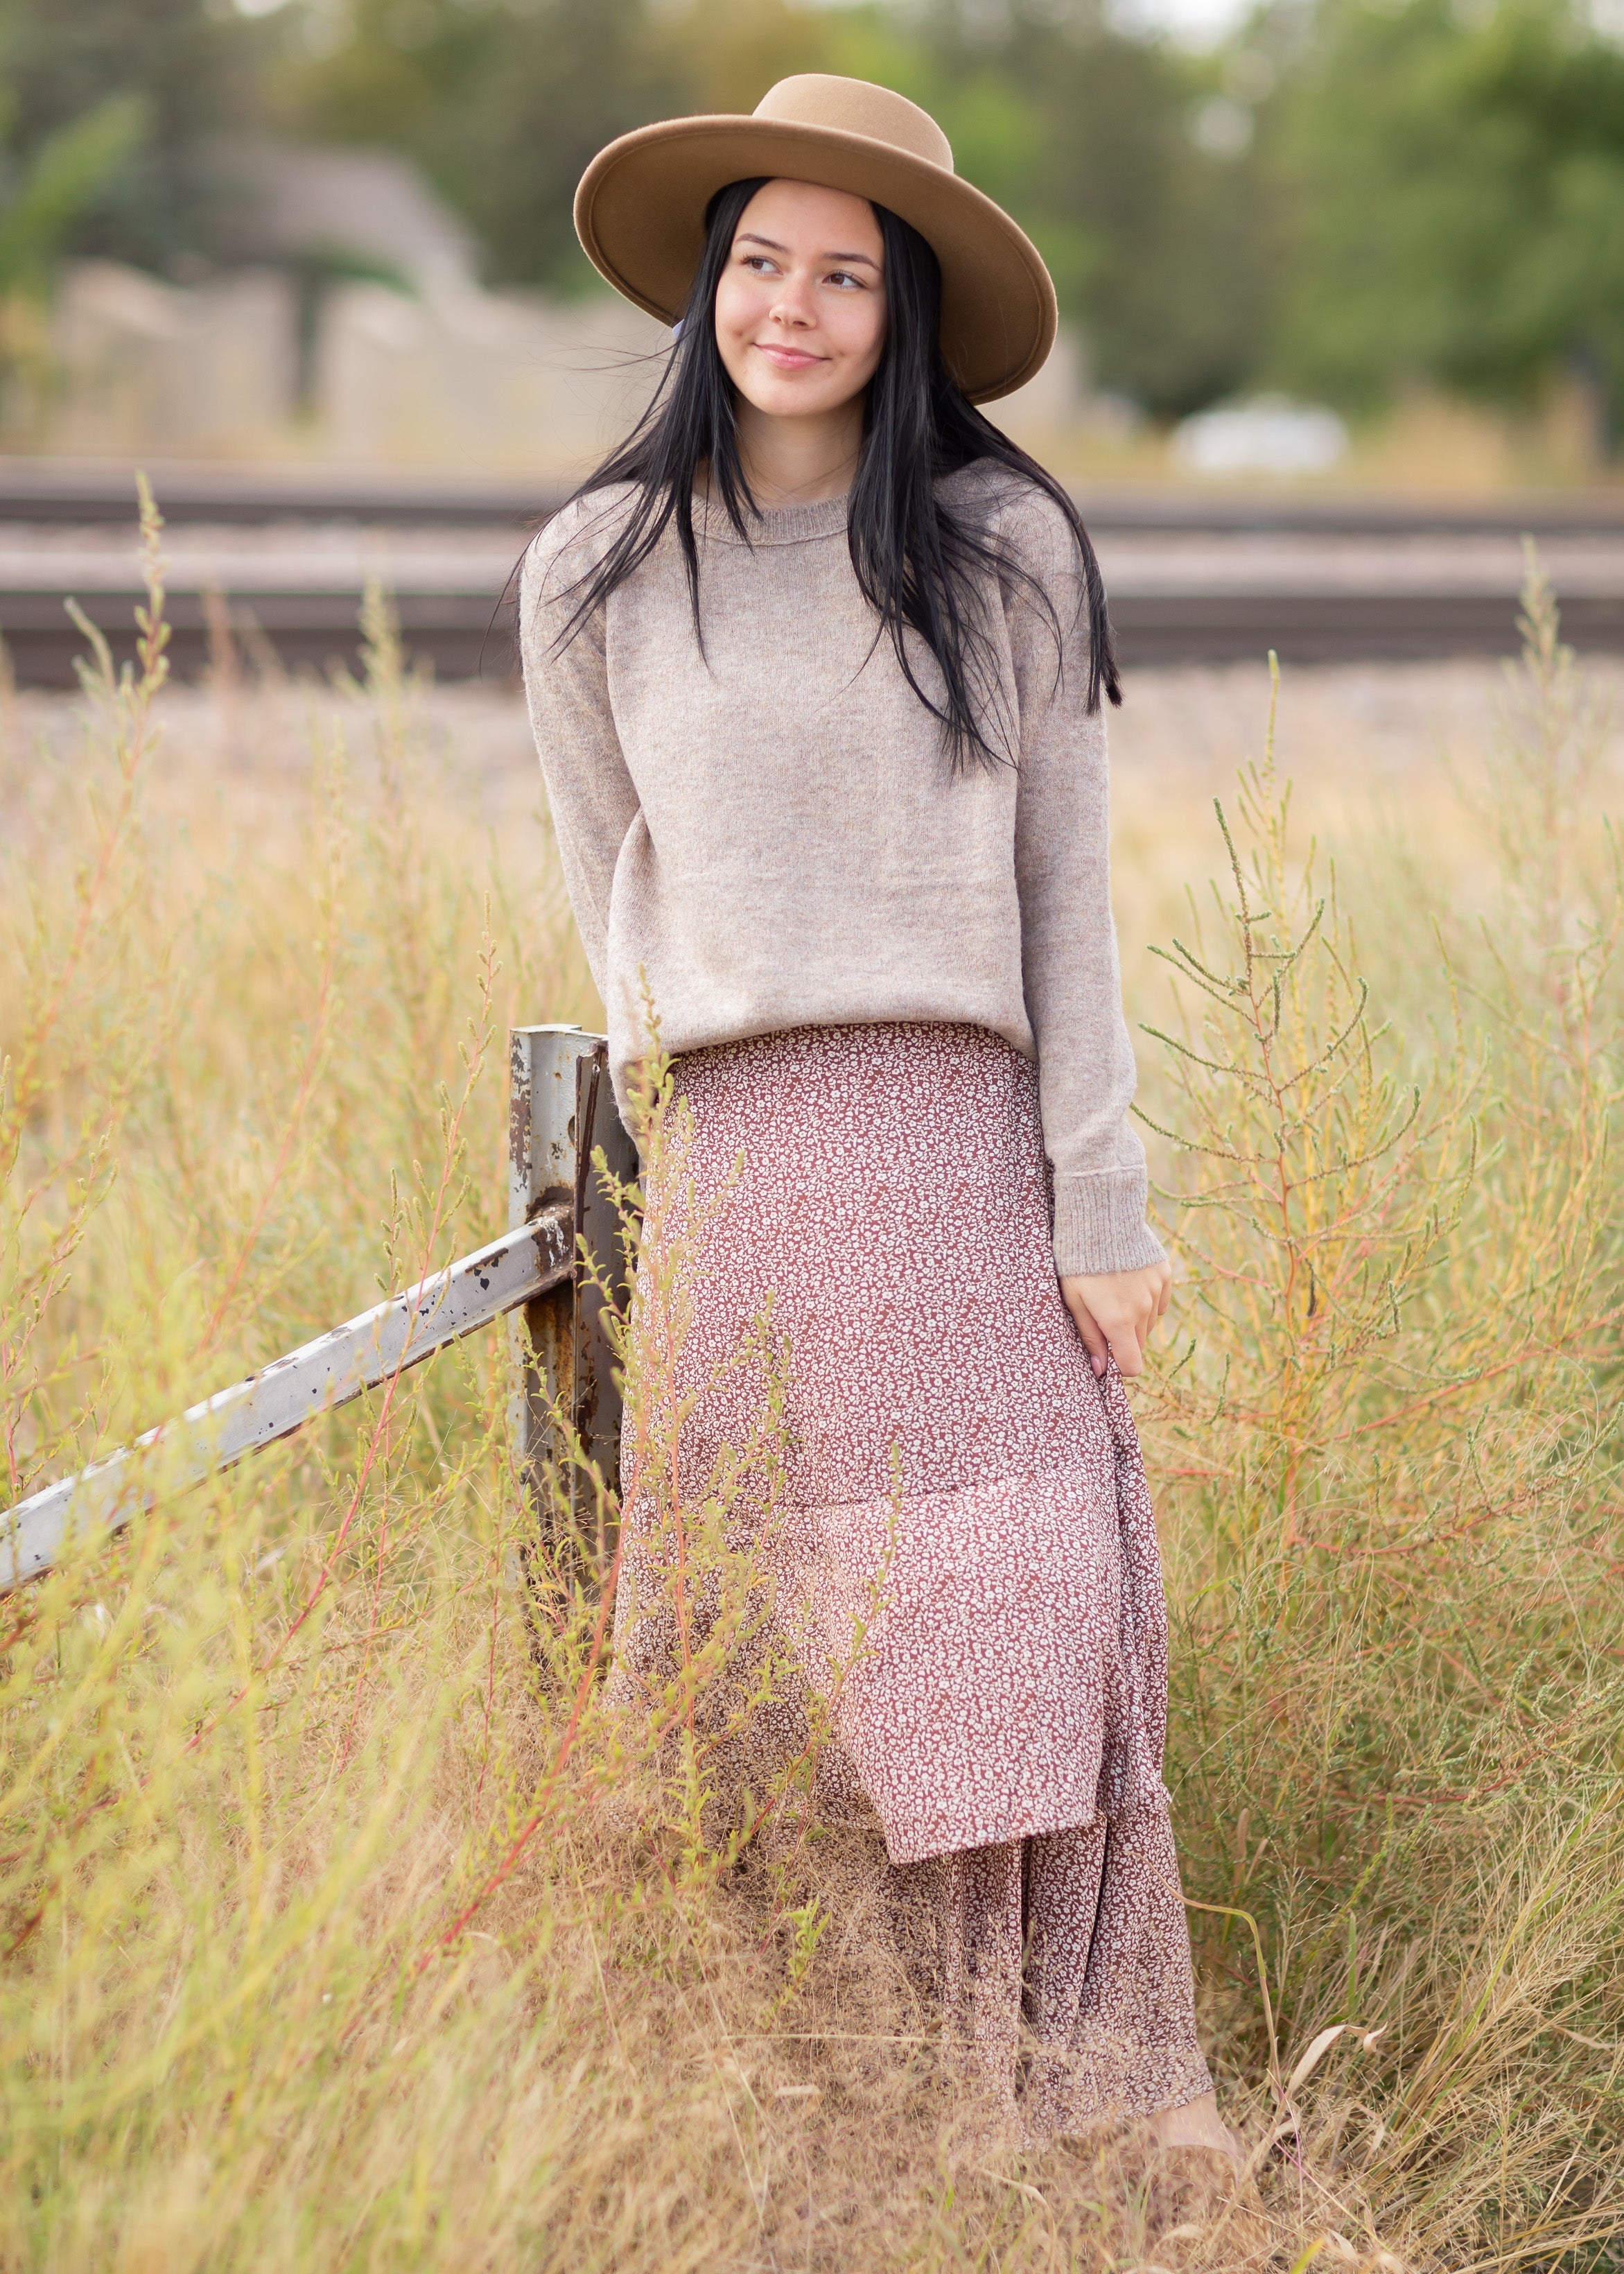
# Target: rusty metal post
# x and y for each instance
(561, 1107)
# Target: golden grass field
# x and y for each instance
(336, 1933)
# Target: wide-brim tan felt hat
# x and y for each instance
(640, 212)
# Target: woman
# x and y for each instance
(815, 664)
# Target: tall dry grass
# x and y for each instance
(341, 1926)
(1390, 1440)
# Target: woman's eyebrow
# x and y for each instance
(749, 237)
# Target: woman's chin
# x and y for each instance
(794, 395)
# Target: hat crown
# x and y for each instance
(856, 106)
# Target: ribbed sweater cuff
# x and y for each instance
(1100, 1223)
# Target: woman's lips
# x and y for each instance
(787, 358)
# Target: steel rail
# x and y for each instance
(389, 1339)
(1215, 618)
(83, 493)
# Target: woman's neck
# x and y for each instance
(799, 461)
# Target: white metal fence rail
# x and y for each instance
(560, 1107)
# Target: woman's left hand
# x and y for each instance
(1115, 1311)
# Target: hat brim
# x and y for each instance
(640, 215)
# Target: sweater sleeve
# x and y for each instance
(591, 792)
(1069, 963)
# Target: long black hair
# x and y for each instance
(918, 563)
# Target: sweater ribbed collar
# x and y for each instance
(774, 525)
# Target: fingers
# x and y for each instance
(1126, 1328)
(1094, 1340)
(1127, 1349)
(1116, 1312)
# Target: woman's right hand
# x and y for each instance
(1116, 1311)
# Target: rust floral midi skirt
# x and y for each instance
(953, 1476)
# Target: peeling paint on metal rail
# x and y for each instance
(338, 1366)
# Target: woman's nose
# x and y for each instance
(792, 305)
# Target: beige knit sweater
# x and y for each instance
(773, 835)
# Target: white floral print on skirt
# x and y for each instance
(1006, 1720)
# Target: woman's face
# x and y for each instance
(800, 305)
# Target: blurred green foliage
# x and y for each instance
(1347, 197)
(43, 199)
(1458, 180)
(121, 105)
(1161, 248)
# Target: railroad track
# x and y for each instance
(279, 565)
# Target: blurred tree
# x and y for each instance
(504, 102)
(1157, 230)
(1353, 194)
(1454, 180)
(43, 198)
(185, 74)
(1160, 247)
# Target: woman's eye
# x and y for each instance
(844, 276)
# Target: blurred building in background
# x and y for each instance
(356, 330)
